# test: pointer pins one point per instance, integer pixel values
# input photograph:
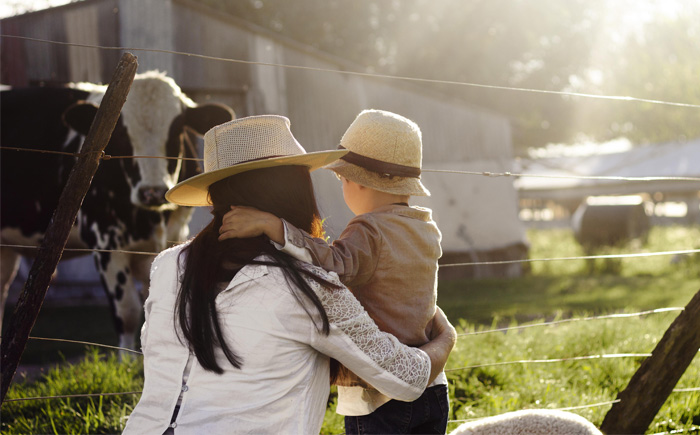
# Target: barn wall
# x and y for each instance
(209, 80)
(147, 24)
(29, 62)
(476, 214)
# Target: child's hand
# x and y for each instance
(244, 222)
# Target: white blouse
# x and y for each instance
(283, 385)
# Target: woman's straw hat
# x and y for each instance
(385, 153)
(242, 145)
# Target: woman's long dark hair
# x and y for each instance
(285, 191)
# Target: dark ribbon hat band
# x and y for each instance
(379, 166)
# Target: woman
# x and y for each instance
(238, 336)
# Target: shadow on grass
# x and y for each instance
(91, 323)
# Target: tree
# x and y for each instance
(587, 46)
(660, 63)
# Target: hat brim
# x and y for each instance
(194, 191)
(396, 185)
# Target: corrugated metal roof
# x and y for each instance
(659, 160)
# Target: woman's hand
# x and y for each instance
(442, 327)
(442, 339)
(244, 222)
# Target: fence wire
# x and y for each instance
(569, 408)
(444, 171)
(553, 360)
(543, 324)
(576, 319)
(73, 396)
(677, 431)
(526, 260)
(123, 393)
(106, 346)
(584, 257)
(364, 74)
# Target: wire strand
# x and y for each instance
(584, 257)
(578, 319)
(686, 390)
(554, 360)
(363, 74)
(194, 159)
(526, 260)
(575, 177)
(120, 251)
(593, 405)
(446, 171)
(72, 396)
(63, 340)
(102, 157)
(675, 431)
(569, 408)
(63, 153)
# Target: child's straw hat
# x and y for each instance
(385, 153)
(242, 145)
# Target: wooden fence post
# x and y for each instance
(657, 376)
(15, 338)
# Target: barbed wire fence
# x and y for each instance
(479, 173)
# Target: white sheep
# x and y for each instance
(529, 422)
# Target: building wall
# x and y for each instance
(475, 213)
(32, 63)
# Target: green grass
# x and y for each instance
(96, 373)
(489, 300)
(487, 391)
(568, 288)
(552, 290)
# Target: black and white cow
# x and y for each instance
(125, 208)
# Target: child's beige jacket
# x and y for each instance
(389, 260)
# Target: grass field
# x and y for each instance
(553, 290)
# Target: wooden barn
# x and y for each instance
(478, 215)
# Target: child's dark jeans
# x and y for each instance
(426, 415)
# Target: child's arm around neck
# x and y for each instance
(243, 222)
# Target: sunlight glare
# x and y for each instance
(10, 8)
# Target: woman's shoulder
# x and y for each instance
(172, 252)
(169, 256)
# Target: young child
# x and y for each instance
(387, 256)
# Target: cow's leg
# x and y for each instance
(9, 265)
(117, 279)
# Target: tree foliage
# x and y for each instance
(625, 47)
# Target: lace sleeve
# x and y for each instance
(396, 370)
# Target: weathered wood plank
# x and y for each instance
(30, 300)
(657, 376)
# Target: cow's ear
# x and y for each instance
(206, 116)
(79, 116)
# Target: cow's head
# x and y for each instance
(154, 121)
